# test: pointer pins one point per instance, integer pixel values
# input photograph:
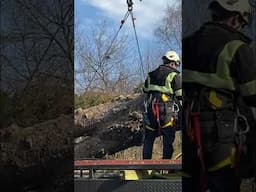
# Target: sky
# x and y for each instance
(148, 14)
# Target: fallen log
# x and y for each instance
(107, 130)
(91, 120)
(41, 152)
(113, 139)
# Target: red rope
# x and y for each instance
(196, 128)
(156, 113)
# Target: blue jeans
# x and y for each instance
(168, 138)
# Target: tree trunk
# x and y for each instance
(109, 128)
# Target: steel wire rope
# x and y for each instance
(120, 27)
(137, 43)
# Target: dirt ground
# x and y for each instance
(135, 153)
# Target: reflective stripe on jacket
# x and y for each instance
(221, 79)
(164, 80)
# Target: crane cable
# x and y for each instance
(130, 8)
(120, 27)
(129, 12)
(137, 40)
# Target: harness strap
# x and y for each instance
(156, 113)
(196, 128)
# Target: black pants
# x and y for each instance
(168, 138)
(222, 180)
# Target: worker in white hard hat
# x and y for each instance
(163, 92)
(240, 10)
(218, 79)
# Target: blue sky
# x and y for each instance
(148, 14)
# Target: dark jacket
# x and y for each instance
(158, 78)
(201, 51)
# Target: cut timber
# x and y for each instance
(108, 128)
(88, 121)
(43, 151)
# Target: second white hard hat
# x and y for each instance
(172, 56)
(243, 7)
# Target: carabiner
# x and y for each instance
(236, 126)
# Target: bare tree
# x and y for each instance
(101, 63)
(39, 42)
(37, 57)
(169, 31)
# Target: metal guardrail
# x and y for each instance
(128, 164)
(86, 179)
(89, 167)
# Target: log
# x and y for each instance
(109, 141)
(107, 129)
(43, 151)
(91, 120)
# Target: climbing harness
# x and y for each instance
(160, 113)
(194, 132)
(155, 106)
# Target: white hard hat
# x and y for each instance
(172, 56)
(243, 7)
